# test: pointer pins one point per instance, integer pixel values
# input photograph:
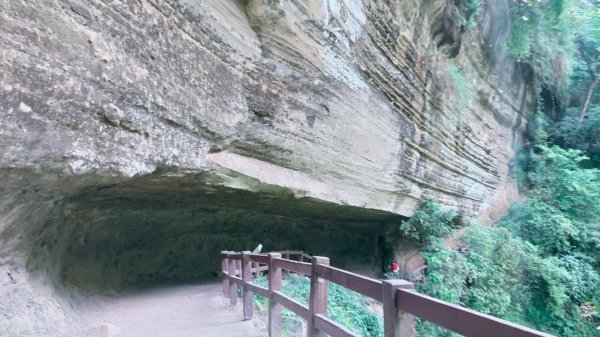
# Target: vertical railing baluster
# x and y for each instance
(396, 323)
(232, 285)
(275, 319)
(247, 277)
(318, 296)
(287, 257)
(225, 273)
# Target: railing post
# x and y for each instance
(275, 319)
(318, 296)
(225, 273)
(247, 277)
(287, 257)
(232, 285)
(396, 323)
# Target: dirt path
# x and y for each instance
(185, 311)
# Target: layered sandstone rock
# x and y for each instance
(134, 119)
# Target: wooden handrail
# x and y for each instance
(291, 304)
(331, 328)
(361, 284)
(400, 301)
(264, 259)
(466, 322)
(301, 254)
(262, 291)
(295, 266)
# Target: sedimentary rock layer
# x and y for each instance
(353, 102)
(131, 127)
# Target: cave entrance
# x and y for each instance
(166, 230)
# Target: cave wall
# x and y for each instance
(156, 231)
(65, 239)
(346, 101)
(167, 122)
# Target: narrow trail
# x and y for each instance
(184, 311)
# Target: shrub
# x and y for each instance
(569, 132)
(542, 225)
(561, 180)
(446, 275)
(582, 278)
(428, 223)
(531, 269)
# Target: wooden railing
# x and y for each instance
(400, 301)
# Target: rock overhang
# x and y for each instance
(327, 115)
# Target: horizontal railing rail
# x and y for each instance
(361, 284)
(295, 266)
(302, 256)
(401, 303)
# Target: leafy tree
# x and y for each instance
(545, 226)
(582, 278)
(585, 137)
(586, 17)
(560, 181)
(541, 35)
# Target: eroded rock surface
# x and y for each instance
(163, 123)
(353, 95)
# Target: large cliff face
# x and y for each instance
(121, 118)
(346, 101)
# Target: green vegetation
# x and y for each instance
(542, 34)
(428, 223)
(532, 23)
(344, 306)
(539, 267)
(559, 39)
(570, 133)
(462, 91)
(467, 12)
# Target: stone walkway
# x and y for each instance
(185, 311)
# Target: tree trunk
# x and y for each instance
(588, 99)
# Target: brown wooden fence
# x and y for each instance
(400, 301)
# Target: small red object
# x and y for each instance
(395, 267)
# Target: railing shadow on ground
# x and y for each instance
(401, 303)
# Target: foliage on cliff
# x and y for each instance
(540, 266)
(560, 40)
(467, 11)
(428, 224)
